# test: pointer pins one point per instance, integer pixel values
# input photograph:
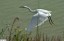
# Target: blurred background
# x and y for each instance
(9, 9)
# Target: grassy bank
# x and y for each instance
(14, 32)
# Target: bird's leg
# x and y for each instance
(50, 20)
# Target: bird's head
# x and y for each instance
(23, 6)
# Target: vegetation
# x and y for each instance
(15, 33)
(13, 29)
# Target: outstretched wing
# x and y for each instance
(36, 20)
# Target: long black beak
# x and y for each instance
(50, 20)
(21, 7)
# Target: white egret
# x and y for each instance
(40, 15)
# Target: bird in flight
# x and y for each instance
(39, 17)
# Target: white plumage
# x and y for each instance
(39, 17)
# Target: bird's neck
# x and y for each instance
(33, 11)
